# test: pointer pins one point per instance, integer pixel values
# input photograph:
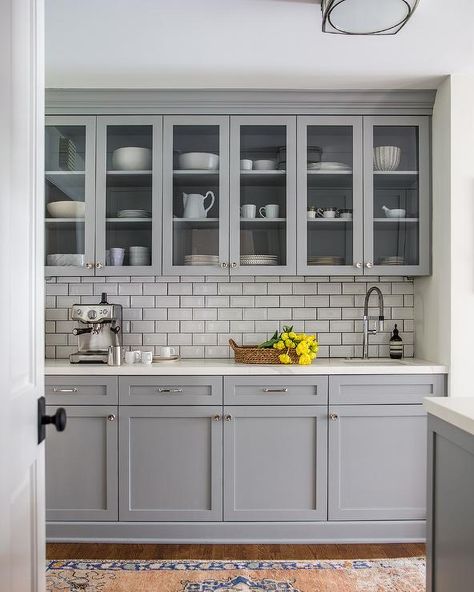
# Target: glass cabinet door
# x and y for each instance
(128, 226)
(397, 237)
(69, 195)
(195, 195)
(263, 195)
(330, 214)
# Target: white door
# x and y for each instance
(21, 296)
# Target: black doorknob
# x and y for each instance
(59, 419)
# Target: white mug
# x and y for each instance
(167, 352)
(269, 211)
(147, 357)
(131, 357)
(116, 255)
(248, 211)
(246, 164)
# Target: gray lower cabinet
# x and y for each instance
(170, 463)
(275, 463)
(82, 465)
(377, 462)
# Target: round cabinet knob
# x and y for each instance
(228, 417)
(333, 416)
(216, 417)
(369, 264)
(358, 265)
(224, 264)
(111, 417)
(58, 420)
(233, 264)
(99, 266)
(89, 265)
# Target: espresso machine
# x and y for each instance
(98, 327)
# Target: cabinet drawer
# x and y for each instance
(385, 389)
(170, 390)
(81, 390)
(280, 390)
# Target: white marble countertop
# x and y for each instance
(458, 411)
(210, 367)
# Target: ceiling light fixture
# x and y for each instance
(366, 17)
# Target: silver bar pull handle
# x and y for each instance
(275, 390)
(169, 390)
(64, 390)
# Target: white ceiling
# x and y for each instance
(247, 44)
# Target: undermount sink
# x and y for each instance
(370, 361)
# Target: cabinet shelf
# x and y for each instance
(329, 221)
(64, 220)
(129, 179)
(396, 220)
(190, 177)
(196, 222)
(129, 220)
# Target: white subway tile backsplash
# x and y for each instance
(199, 314)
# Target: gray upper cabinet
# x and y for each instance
(330, 196)
(275, 461)
(69, 195)
(196, 195)
(82, 465)
(397, 196)
(128, 196)
(377, 462)
(262, 190)
(171, 463)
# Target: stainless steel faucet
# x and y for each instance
(380, 319)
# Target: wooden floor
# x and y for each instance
(309, 552)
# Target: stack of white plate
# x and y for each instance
(328, 166)
(259, 260)
(325, 260)
(201, 259)
(134, 214)
(139, 255)
(393, 260)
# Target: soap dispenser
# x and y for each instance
(396, 345)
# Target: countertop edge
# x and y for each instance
(457, 411)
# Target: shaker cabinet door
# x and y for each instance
(196, 195)
(81, 465)
(275, 461)
(377, 462)
(170, 463)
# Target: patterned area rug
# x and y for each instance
(380, 575)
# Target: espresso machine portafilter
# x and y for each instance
(98, 326)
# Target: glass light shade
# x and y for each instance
(366, 17)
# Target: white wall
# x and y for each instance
(444, 303)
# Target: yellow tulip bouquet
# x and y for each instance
(305, 346)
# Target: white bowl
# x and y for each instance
(264, 165)
(386, 158)
(66, 259)
(395, 213)
(66, 209)
(201, 161)
(131, 158)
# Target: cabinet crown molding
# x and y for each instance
(289, 102)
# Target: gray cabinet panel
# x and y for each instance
(81, 466)
(270, 390)
(170, 463)
(81, 390)
(170, 390)
(377, 462)
(385, 389)
(275, 463)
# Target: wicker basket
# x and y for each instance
(250, 354)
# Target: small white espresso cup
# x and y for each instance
(167, 352)
(269, 211)
(248, 211)
(246, 164)
(147, 357)
(131, 357)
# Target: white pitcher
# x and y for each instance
(194, 204)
